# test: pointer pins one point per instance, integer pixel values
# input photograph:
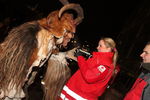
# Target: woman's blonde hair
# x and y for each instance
(109, 42)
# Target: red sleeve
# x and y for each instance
(92, 74)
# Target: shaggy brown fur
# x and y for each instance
(56, 76)
(17, 49)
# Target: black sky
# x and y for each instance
(101, 16)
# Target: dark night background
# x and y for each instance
(126, 21)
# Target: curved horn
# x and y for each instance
(75, 7)
(64, 2)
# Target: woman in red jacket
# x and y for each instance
(93, 75)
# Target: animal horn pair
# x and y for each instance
(72, 6)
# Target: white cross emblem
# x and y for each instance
(101, 68)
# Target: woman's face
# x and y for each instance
(102, 47)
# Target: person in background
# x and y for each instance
(141, 88)
(91, 79)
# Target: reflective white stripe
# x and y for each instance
(73, 94)
(63, 97)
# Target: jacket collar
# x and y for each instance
(104, 53)
(146, 66)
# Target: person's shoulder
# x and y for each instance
(95, 53)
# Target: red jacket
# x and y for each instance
(141, 88)
(91, 80)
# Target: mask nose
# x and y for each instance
(70, 35)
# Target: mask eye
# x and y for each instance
(67, 31)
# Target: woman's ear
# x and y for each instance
(109, 49)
